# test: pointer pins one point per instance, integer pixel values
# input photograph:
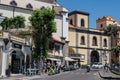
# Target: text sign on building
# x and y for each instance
(15, 45)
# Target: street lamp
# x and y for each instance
(105, 56)
(41, 60)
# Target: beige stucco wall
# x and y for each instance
(73, 19)
(72, 38)
(83, 52)
(91, 41)
(79, 39)
(85, 17)
(22, 3)
(85, 49)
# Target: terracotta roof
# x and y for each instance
(78, 12)
(71, 26)
(56, 40)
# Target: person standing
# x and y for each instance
(106, 67)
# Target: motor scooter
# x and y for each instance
(88, 68)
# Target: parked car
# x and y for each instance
(97, 65)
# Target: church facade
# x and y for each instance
(86, 44)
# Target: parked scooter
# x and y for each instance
(88, 68)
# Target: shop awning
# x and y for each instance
(69, 59)
(53, 59)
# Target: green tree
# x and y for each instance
(15, 22)
(7, 23)
(116, 50)
(112, 31)
(43, 26)
(18, 22)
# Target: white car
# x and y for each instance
(97, 65)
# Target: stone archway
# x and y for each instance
(17, 61)
(94, 56)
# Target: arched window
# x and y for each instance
(105, 43)
(29, 6)
(13, 3)
(41, 8)
(101, 25)
(82, 40)
(71, 22)
(82, 23)
(94, 42)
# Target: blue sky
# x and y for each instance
(96, 8)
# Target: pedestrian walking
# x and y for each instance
(106, 67)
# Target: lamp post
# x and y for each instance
(41, 62)
(105, 56)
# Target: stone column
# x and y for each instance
(4, 60)
(63, 50)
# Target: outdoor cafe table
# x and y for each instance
(32, 71)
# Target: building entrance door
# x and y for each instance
(17, 62)
(94, 56)
(15, 67)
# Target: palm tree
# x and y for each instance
(112, 31)
(116, 51)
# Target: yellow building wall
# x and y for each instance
(72, 38)
(79, 39)
(91, 41)
(83, 52)
(85, 17)
(73, 19)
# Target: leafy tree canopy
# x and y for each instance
(43, 26)
(111, 30)
(116, 50)
(15, 22)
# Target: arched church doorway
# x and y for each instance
(17, 62)
(94, 56)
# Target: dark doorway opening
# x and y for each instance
(17, 62)
(94, 56)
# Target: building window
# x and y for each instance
(29, 6)
(82, 23)
(82, 40)
(105, 43)
(13, 3)
(94, 42)
(57, 48)
(71, 22)
(101, 25)
(51, 45)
